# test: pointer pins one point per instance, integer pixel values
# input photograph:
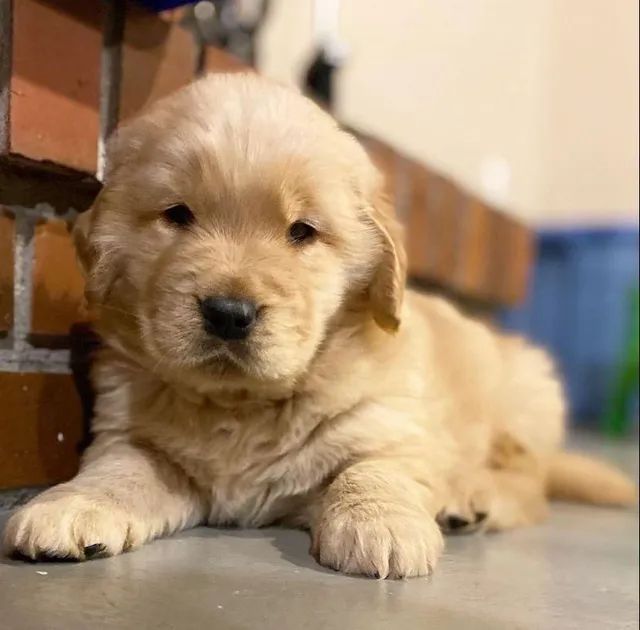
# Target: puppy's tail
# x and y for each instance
(573, 477)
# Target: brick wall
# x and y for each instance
(70, 70)
(41, 300)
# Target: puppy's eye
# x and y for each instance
(179, 215)
(301, 232)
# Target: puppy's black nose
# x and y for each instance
(228, 318)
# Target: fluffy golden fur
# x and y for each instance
(373, 416)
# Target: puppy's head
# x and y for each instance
(237, 222)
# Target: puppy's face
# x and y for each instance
(236, 223)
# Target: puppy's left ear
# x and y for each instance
(389, 273)
(386, 291)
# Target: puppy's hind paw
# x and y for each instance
(451, 523)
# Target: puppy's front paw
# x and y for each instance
(390, 546)
(62, 524)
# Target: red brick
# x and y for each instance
(511, 259)
(444, 226)
(417, 229)
(474, 252)
(6, 271)
(158, 57)
(516, 284)
(40, 430)
(58, 285)
(55, 81)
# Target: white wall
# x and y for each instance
(530, 103)
(589, 143)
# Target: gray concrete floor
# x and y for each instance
(579, 570)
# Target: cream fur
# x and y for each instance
(362, 413)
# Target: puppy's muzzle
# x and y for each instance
(228, 318)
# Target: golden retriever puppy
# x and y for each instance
(264, 364)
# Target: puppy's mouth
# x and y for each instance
(227, 354)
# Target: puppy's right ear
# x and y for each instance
(98, 270)
(82, 240)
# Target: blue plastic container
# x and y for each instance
(163, 5)
(579, 309)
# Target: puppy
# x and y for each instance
(264, 364)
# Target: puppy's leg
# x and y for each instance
(517, 485)
(503, 500)
(509, 492)
(466, 502)
(518, 500)
(376, 519)
(122, 497)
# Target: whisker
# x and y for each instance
(115, 309)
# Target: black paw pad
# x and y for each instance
(454, 522)
(22, 557)
(94, 551)
(49, 556)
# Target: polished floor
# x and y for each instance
(579, 570)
